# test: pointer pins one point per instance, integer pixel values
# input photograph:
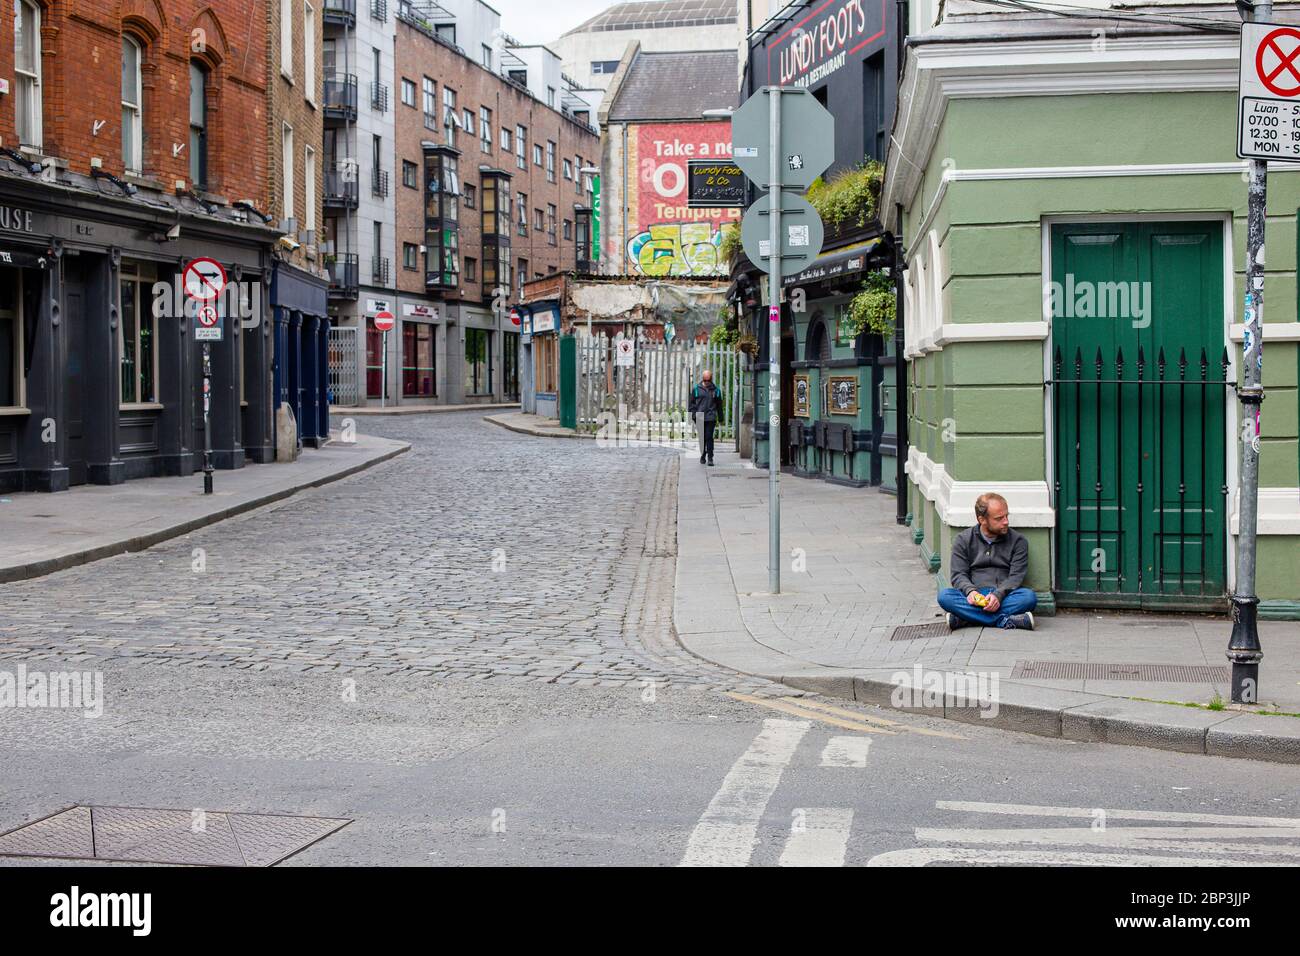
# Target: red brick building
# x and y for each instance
(489, 194)
(129, 131)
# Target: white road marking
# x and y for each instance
(1090, 812)
(846, 752)
(822, 839)
(945, 854)
(728, 831)
(1220, 840)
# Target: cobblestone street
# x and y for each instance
(481, 554)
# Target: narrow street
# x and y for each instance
(417, 649)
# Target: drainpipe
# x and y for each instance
(900, 371)
(622, 255)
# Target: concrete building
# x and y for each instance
(127, 154)
(1108, 421)
(591, 51)
(652, 123)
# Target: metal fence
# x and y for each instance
(651, 396)
(345, 379)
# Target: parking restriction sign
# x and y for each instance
(1268, 93)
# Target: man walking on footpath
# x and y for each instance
(706, 405)
(988, 568)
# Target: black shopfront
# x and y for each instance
(100, 374)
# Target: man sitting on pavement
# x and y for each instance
(988, 568)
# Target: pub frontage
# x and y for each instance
(100, 373)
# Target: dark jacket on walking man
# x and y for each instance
(706, 405)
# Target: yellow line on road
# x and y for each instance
(839, 711)
(788, 708)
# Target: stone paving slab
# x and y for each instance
(863, 576)
(44, 533)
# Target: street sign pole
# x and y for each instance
(207, 418)
(774, 346)
(1244, 649)
(383, 366)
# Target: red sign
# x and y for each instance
(384, 321)
(1275, 61)
(204, 279)
(514, 316)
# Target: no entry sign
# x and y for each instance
(384, 321)
(1268, 93)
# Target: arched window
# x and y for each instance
(132, 108)
(198, 124)
(27, 64)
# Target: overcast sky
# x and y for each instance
(540, 21)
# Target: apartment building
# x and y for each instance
(488, 191)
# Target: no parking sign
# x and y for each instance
(1268, 92)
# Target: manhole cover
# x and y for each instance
(186, 837)
(1099, 670)
(915, 632)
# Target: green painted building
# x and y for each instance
(1073, 219)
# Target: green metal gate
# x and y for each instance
(1138, 387)
(568, 381)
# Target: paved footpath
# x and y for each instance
(852, 575)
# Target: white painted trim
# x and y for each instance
(955, 500)
(1273, 332)
(990, 332)
(1279, 511)
(935, 73)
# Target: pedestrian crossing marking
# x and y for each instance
(728, 831)
(846, 752)
(820, 839)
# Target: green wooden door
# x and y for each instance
(568, 381)
(1138, 406)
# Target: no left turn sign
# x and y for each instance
(1268, 92)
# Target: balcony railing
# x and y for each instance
(341, 186)
(379, 183)
(341, 96)
(378, 97)
(379, 10)
(342, 12)
(343, 270)
(379, 270)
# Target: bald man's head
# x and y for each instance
(707, 376)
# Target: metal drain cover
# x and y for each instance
(915, 632)
(185, 837)
(1097, 670)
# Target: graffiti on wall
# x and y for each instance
(665, 236)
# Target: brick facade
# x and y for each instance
(418, 55)
(81, 86)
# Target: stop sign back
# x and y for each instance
(384, 321)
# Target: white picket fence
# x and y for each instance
(652, 395)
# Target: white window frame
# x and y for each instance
(309, 187)
(408, 84)
(286, 39)
(36, 115)
(309, 52)
(485, 129)
(133, 113)
(20, 381)
(286, 172)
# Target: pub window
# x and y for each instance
(478, 362)
(136, 337)
(198, 125)
(131, 111)
(27, 63)
(11, 340)
(417, 360)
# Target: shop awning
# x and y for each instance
(838, 263)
